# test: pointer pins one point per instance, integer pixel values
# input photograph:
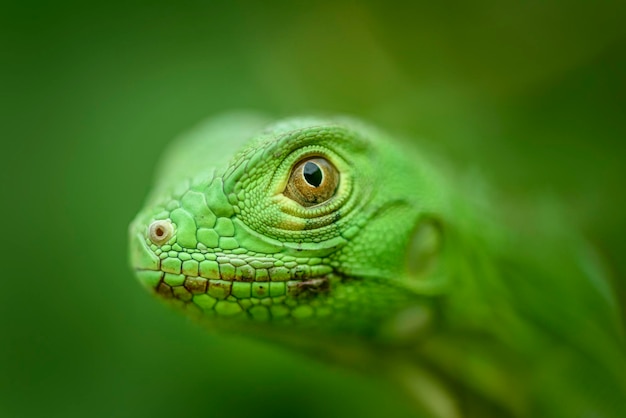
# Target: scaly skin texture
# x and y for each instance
(401, 271)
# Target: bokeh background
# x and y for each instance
(532, 94)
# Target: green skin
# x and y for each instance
(403, 272)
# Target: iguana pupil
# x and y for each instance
(312, 174)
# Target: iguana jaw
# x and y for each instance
(232, 290)
(226, 297)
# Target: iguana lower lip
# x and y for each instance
(184, 287)
(230, 298)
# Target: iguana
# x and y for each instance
(328, 236)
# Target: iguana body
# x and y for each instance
(327, 236)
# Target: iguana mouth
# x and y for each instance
(227, 297)
(171, 286)
(226, 283)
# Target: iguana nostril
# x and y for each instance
(160, 231)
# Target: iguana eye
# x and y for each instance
(160, 232)
(312, 181)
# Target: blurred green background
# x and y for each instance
(531, 93)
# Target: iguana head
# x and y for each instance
(323, 233)
(306, 221)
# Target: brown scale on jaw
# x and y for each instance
(312, 286)
(164, 290)
(196, 285)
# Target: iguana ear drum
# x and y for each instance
(424, 247)
(312, 181)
